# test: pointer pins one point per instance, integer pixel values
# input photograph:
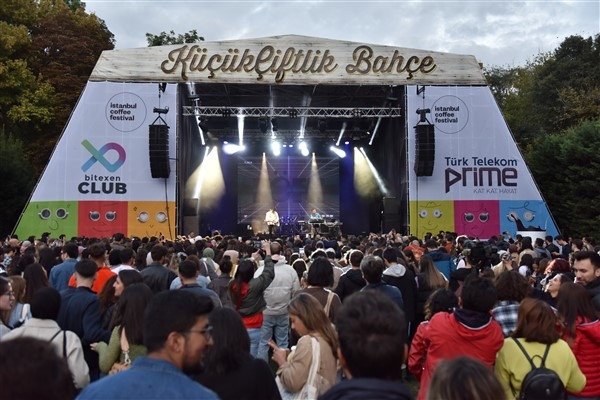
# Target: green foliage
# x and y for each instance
(566, 169)
(17, 183)
(47, 52)
(165, 38)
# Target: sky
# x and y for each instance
(497, 33)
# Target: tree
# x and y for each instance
(573, 68)
(25, 99)
(165, 38)
(17, 182)
(566, 169)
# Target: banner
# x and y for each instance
(98, 180)
(466, 174)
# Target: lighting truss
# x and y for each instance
(293, 112)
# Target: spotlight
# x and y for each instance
(226, 112)
(161, 110)
(292, 113)
(276, 148)
(339, 152)
(303, 149)
(231, 148)
(341, 133)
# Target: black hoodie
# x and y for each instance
(350, 281)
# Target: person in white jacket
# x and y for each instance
(44, 310)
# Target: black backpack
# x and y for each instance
(540, 383)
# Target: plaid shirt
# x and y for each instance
(505, 313)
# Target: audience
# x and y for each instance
(452, 351)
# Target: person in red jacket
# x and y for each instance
(582, 333)
(469, 331)
(97, 252)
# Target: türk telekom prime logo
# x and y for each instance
(107, 184)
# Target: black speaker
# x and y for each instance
(159, 151)
(424, 149)
(390, 205)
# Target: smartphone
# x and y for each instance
(258, 244)
(301, 251)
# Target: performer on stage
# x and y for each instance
(272, 220)
(314, 215)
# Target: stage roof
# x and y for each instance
(295, 84)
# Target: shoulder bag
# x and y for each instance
(310, 390)
(122, 366)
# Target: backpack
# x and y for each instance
(540, 383)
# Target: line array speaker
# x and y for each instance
(425, 149)
(159, 151)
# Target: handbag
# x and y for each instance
(310, 390)
(119, 366)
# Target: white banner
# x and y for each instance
(98, 179)
(468, 176)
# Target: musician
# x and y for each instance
(272, 220)
(314, 215)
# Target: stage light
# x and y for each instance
(341, 153)
(346, 143)
(231, 148)
(375, 131)
(240, 119)
(276, 148)
(341, 133)
(303, 147)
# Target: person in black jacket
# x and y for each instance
(372, 338)
(403, 278)
(352, 280)
(80, 313)
(156, 275)
(228, 368)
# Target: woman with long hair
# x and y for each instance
(126, 340)
(582, 333)
(107, 301)
(552, 290)
(429, 279)
(317, 337)
(21, 311)
(35, 279)
(246, 294)
(7, 302)
(228, 360)
(538, 335)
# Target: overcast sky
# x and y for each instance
(495, 32)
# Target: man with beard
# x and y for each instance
(176, 333)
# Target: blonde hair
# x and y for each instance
(308, 309)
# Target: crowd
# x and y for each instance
(350, 317)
